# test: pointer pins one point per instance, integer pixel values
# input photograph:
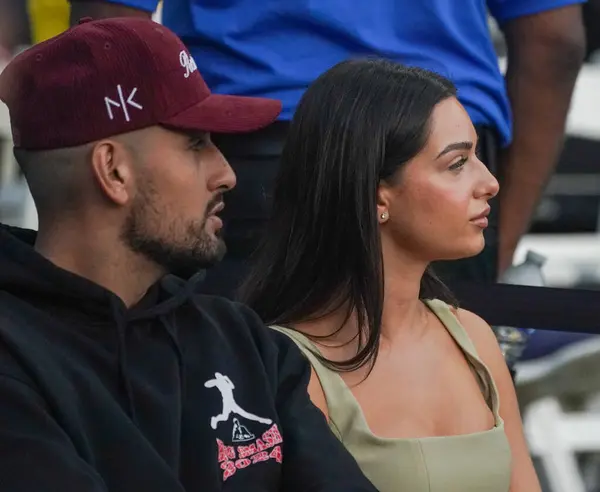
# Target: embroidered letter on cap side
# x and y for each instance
(187, 62)
(122, 103)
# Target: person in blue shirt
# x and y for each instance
(276, 49)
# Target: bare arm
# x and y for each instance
(545, 52)
(523, 476)
(316, 460)
(98, 9)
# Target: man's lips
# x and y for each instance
(217, 208)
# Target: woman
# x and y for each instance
(379, 178)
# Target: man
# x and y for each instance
(109, 367)
(275, 49)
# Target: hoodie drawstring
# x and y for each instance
(123, 374)
(182, 292)
(170, 330)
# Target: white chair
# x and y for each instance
(556, 435)
(8, 167)
(14, 193)
(157, 16)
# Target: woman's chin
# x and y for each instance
(475, 248)
(465, 250)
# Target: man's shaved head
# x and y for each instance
(61, 180)
(58, 179)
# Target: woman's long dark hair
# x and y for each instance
(355, 127)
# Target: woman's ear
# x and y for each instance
(384, 196)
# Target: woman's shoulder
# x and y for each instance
(474, 327)
(303, 342)
(317, 370)
(487, 347)
(437, 305)
(479, 331)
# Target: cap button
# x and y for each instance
(83, 20)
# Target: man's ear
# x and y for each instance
(112, 167)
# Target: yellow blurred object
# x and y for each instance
(47, 18)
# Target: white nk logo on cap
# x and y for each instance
(187, 62)
(122, 103)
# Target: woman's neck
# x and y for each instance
(404, 315)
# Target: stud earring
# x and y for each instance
(384, 216)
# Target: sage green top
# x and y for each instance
(479, 462)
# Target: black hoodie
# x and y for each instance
(179, 393)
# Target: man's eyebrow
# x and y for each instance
(456, 146)
(197, 138)
(197, 135)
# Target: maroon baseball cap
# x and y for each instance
(108, 77)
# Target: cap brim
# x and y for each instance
(227, 114)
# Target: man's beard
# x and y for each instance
(180, 248)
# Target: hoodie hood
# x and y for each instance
(27, 275)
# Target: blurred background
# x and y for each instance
(558, 387)
(566, 226)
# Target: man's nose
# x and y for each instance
(225, 176)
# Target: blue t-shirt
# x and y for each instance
(276, 48)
